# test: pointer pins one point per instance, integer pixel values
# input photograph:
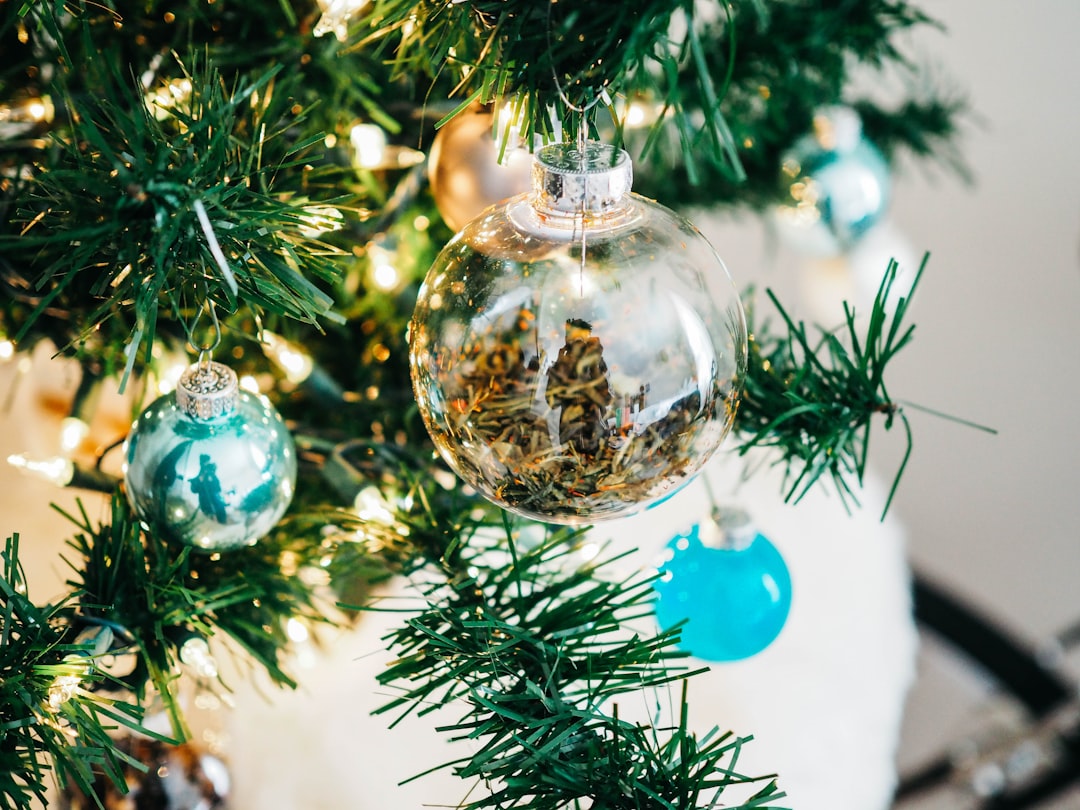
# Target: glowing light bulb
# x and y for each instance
(296, 631)
(635, 114)
(168, 378)
(320, 219)
(55, 469)
(508, 131)
(62, 689)
(173, 94)
(7, 350)
(195, 653)
(25, 115)
(73, 431)
(38, 110)
(371, 505)
(335, 17)
(369, 145)
(287, 356)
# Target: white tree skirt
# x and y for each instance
(823, 702)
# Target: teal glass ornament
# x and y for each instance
(729, 584)
(212, 466)
(838, 186)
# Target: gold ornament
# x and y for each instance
(466, 176)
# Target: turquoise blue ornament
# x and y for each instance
(730, 585)
(838, 186)
(211, 466)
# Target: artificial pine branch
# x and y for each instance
(150, 206)
(535, 649)
(51, 715)
(776, 70)
(813, 400)
(162, 595)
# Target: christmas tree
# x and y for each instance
(258, 191)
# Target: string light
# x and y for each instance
(170, 376)
(384, 275)
(335, 17)
(370, 505)
(61, 471)
(17, 119)
(56, 470)
(296, 631)
(7, 350)
(195, 653)
(635, 115)
(508, 132)
(172, 94)
(296, 364)
(62, 689)
(320, 219)
(372, 151)
(369, 145)
(73, 432)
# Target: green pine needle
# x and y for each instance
(150, 207)
(162, 594)
(52, 717)
(535, 653)
(814, 400)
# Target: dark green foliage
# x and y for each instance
(814, 399)
(188, 212)
(534, 649)
(50, 716)
(777, 66)
(162, 595)
(730, 93)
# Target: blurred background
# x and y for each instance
(995, 520)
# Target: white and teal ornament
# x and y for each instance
(211, 465)
(837, 185)
(729, 585)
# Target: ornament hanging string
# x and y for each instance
(582, 136)
(725, 517)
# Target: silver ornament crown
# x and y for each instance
(576, 179)
(729, 528)
(207, 390)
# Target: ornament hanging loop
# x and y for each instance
(582, 109)
(204, 349)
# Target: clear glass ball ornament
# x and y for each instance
(577, 352)
(838, 186)
(729, 586)
(211, 465)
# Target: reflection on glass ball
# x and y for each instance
(734, 599)
(216, 483)
(838, 186)
(576, 368)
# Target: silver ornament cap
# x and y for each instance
(729, 528)
(581, 179)
(207, 390)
